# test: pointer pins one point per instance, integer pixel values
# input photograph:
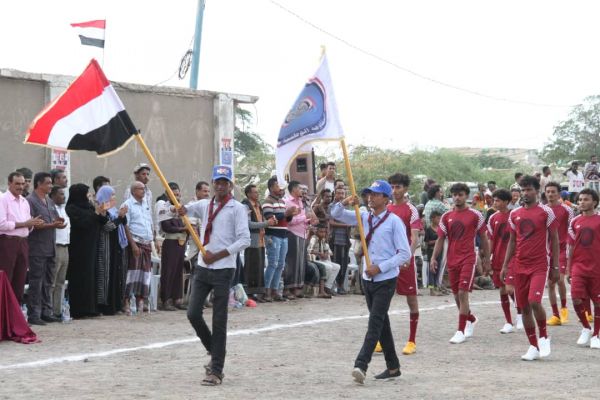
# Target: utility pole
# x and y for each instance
(196, 48)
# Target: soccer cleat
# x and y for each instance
(595, 343)
(458, 337)
(410, 348)
(507, 328)
(584, 337)
(470, 327)
(378, 348)
(520, 322)
(359, 376)
(564, 315)
(554, 321)
(589, 316)
(544, 345)
(532, 354)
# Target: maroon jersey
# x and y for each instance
(532, 228)
(409, 215)
(461, 227)
(584, 238)
(499, 234)
(564, 215)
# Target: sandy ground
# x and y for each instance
(298, 350)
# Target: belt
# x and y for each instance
(62, 245)
(19, 238)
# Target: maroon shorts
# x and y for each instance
(529, 286)
(585, 287)
(406, 284)
(498, 282)
(461, 277)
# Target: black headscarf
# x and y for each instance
(78, 196)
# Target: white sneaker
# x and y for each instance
(532, 354)
(584, 338)
(544, 345)
(595, 343)
(507, 328)
(520, 322)
(470, 327)
(358, 375)
(458, 337)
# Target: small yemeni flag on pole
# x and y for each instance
(87, 116)
(313, 117)
(91, 33)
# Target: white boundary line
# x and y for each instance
(239, 332)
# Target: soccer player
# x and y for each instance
(583, 266)
(406, 285)
(530, 227)
(460, 226)
(564, 215)
(499, 234)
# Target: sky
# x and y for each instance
(541, 56)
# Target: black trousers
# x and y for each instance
(378, 296)
(340, 256)
(219, 281)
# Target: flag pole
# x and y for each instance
(169, 192)
(359, 223)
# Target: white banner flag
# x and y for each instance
(313, 117)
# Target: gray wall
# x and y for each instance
(20, 101)
(182, 128)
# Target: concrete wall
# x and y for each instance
(183, 129)
(20, 101)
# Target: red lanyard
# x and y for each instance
(373, 228)
(212, 216)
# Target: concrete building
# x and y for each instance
(188, 131)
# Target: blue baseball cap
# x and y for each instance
(380, 186)
(222, 172)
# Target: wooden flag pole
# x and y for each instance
(359, 223)
(169, 192)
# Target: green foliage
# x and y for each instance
(443, 165)
(577, 137)
(254, 158)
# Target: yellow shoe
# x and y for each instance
(589, 316)
(410, 348)
(378, 348)
(564, 315)
(554, 321)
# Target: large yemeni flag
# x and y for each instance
(87, 116)
(91, 33)
(313, 117)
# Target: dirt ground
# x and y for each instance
(300, 349)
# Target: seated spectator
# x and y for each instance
(320, 254)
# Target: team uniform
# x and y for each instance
(407, 285)
(461, 227)
(584, 239)
(532, 227)
(499, 234)
(564, 215)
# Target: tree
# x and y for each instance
(577, 137)
(254, 158)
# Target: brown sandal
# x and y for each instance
(212, 380)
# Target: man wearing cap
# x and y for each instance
(224, 233)
(388, 248)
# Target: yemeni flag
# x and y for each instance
(91, 33)
(87, 116)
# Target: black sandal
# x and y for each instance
(388, 375)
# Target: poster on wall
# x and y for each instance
(59, 160)
(226, 152)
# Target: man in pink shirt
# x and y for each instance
(15, 224)
(293, 274)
